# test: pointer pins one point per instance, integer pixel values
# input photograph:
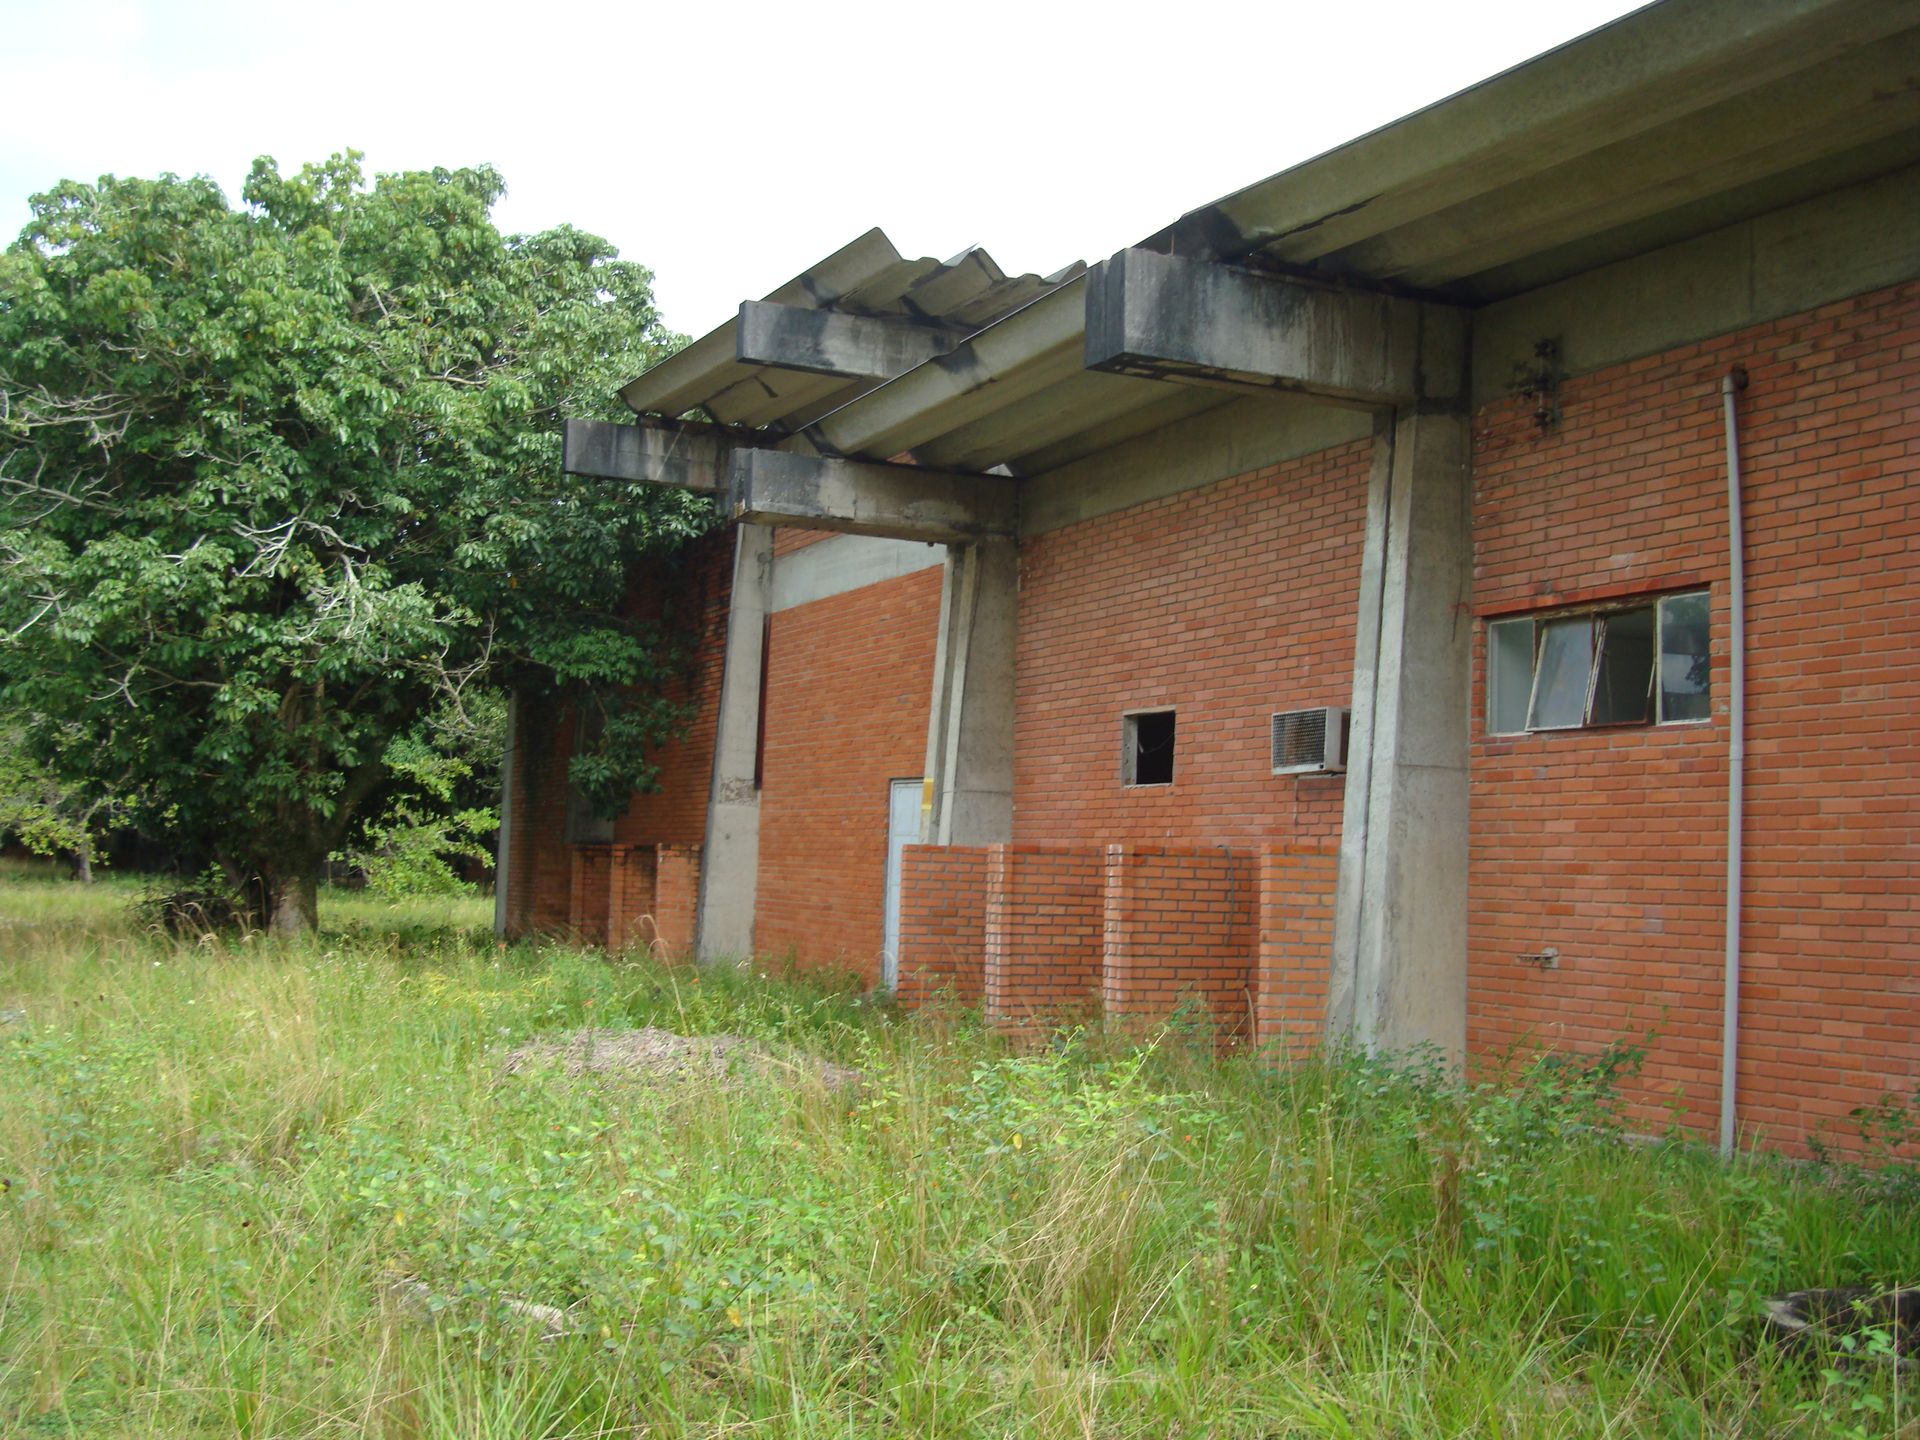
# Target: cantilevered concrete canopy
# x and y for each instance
(1680, 119)
(1677, 119)
(732, 376)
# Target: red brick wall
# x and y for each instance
(1609, 846)
(1179, 924)
(1046, 925)
(849, 687)
(689, 593)
(539, 862)
(1227, 603)
(1135, 927)
(787, 539)
(590, 893)
(686, 594)
(943, 924)
(630, 897)
(1295, 943)
(676, 899)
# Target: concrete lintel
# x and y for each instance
(682, 454)
(825, 342)
(857, 497)
(1171, 318)
(841, 563)
(730, 859)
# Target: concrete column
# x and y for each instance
(969, 768)
(1399, 975)
(730, 862)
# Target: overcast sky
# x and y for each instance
(729, 146)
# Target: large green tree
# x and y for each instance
(278, 479)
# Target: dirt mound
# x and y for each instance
(661, 1055)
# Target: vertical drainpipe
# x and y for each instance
(1730, 387)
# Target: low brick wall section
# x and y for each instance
(1179, 927)
(676, 899)
(630, 897)
(1032, 929)
(588, 893)
(1295, 946)
(943, 924)
(1046, 924)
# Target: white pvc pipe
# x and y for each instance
(1730, 387)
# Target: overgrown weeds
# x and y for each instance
(255, 1190)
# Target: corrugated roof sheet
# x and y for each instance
(867, 277)
(1672, 122)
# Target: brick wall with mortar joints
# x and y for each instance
(1227, 603)
(849, 687)
(1609, 845)
(676, 899)
(1045, 930)
(590, 893)
(943, 924)
(1296, 888)
(630, 900)
(688, 594)
(540, 862)
(1179, 927)
(787, 539)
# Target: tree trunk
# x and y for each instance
(294, 904)
(83, 863)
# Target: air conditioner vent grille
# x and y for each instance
(1309, 741)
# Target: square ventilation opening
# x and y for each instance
(1309, 742)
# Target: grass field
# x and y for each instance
(296, 1192)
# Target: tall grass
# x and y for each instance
(271, 1191)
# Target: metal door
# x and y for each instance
(903, 829)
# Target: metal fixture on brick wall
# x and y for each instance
(1537, 381)
(1547, 959)
(1309, 742)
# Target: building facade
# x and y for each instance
(1367, 608)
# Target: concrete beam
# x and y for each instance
(1652, 67)
(824, 342)
(1399, 976)
(1170, 318)
(969, 765)
(857, 497)
(730, 858)
(1007, 362)
(682, 454)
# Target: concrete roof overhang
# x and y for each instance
(1679, 119)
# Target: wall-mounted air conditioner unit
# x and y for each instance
(1310, 742)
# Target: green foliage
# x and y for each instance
(298, 1193)
(439, 810)
(44, 812)
(276, 480)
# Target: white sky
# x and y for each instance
(730, 145)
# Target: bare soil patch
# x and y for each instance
(660, 1056)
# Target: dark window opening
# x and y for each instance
(1149, 748)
